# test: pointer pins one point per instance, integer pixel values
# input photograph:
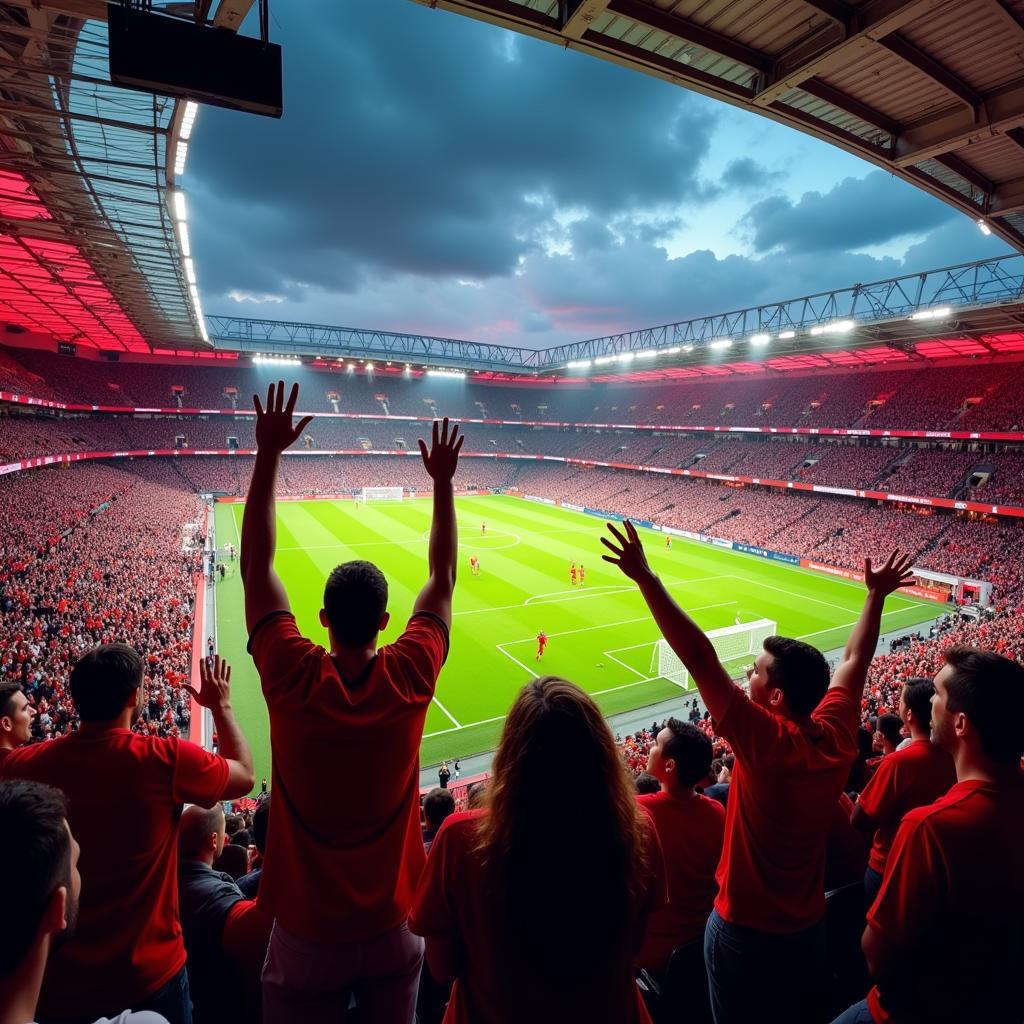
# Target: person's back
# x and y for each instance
(545, 930)
(344, 849)
(125, 793)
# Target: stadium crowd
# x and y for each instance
(703, 900)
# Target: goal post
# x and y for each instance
(382, 494)
(731, 643)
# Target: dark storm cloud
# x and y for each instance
(416, 141)
(745, 173)
(856, 212)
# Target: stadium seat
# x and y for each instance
(680, 994)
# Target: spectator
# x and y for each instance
(128, 949)
(342, 863)
(691, 829)
(438, 804)
(444, 773)
(476, 796)
(535, 908)
(233, 861)
(233, 823)
(249, 884)
(720, 789)
(889, 733)
(908, 778)
(39, 857)
(16, 714)
(646, 784)
(218, 923)
(952, 899)
(794, 739)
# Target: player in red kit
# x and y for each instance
(474, 565)
(572, 574)
(542, 642)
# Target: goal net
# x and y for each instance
(382, 494)
(732, 643)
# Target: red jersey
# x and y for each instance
(542, 641)
(786, 781)
(953, 895)
(344, 848)
(452, 903)
(691, 832)
(125, 793)
(912, 777)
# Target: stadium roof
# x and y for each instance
(92, 244)
(974, 309)
(931, 90)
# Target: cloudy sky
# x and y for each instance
(438, 175)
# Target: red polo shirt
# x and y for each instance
(951, 906)
(452, 904)
(125, 793)
(912, 777)
(786, 781)
(691, 832)
(344, 849)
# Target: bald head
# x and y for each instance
(201, 833)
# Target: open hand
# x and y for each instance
(443, 457)
(215, 683)
(891, 576)
(274, 430)
(629, 556)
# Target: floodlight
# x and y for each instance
(179, 205)
(720, 343)
(985, 229)
(786, 335)
(760, 339)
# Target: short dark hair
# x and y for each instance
(355, 600)
(437, 805)
(890, 726)
(690, 748)
(260, 824)
(35, 858)
(989, 690)
(103, 679)
(645, 782)
(799, 670)
(233, 823)
(243, 837)
(7, 692)
(917, 695)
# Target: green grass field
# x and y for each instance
(601, 635)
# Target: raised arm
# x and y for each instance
(852, 673)
(440, 462)
(264, 591)
(215, 694)
(684, 636)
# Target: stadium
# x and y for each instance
(760, 453)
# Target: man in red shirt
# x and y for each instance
(125, 794)
(691, 829)
(344, 850)
(794, 739)
(16, 715)
(916, 775)
(542, 642)
(943, 940)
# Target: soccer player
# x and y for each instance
(542, 642)
(474, 565)
(583, 574)
(794, 739)
(483, 528)
(668, 541)
(342, 864)
(572, 574)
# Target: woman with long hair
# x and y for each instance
(535, 905)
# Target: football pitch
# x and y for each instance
(600, 635)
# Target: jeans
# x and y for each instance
(764, 977)
(172, 1001)
(314, 982)
(856, 1014)
(872, 883)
